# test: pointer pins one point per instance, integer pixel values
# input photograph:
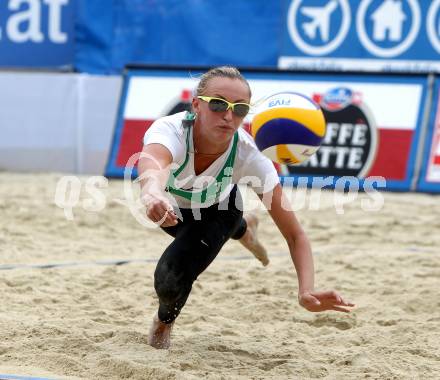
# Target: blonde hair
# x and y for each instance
(220, 72)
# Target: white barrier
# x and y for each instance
(57, 121)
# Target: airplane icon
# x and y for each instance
(320, 19)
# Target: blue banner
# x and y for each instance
(372, 35)
(114, 33)
(37, 33)
(429, 180)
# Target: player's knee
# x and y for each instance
(170, 287)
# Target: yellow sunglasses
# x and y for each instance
(222, 105)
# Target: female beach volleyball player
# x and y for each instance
(194, 161)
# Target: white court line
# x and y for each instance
(15, 377)
(154, 260)
(114, 262)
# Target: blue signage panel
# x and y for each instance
(373, 35)
(429, 179)
(173, 32)
(36, 33)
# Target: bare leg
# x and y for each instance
(250, 240)
(160, 334)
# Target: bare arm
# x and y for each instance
(301, 254)
(154, 169)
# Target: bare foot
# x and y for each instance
(160, 334)
(250, 240)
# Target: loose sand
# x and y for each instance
(242, 321)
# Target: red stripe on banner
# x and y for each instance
(247, 127)
(131, 139)
(437, 160)
(391, 160)
(393, 154)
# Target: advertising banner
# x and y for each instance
(37, 33)
(164, 32)
(371, 35)
(372, 121)
(429, 180)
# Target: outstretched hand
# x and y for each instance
(325, 300)
(160, 211)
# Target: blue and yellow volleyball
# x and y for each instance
(288, 127)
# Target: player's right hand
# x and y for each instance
(160, 210)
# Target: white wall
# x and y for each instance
(57, 121)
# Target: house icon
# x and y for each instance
(388, 21)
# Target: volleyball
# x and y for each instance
(288, 127)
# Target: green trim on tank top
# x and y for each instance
(210, 193)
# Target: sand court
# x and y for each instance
(89, 319)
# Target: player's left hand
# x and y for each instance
(325, 300)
